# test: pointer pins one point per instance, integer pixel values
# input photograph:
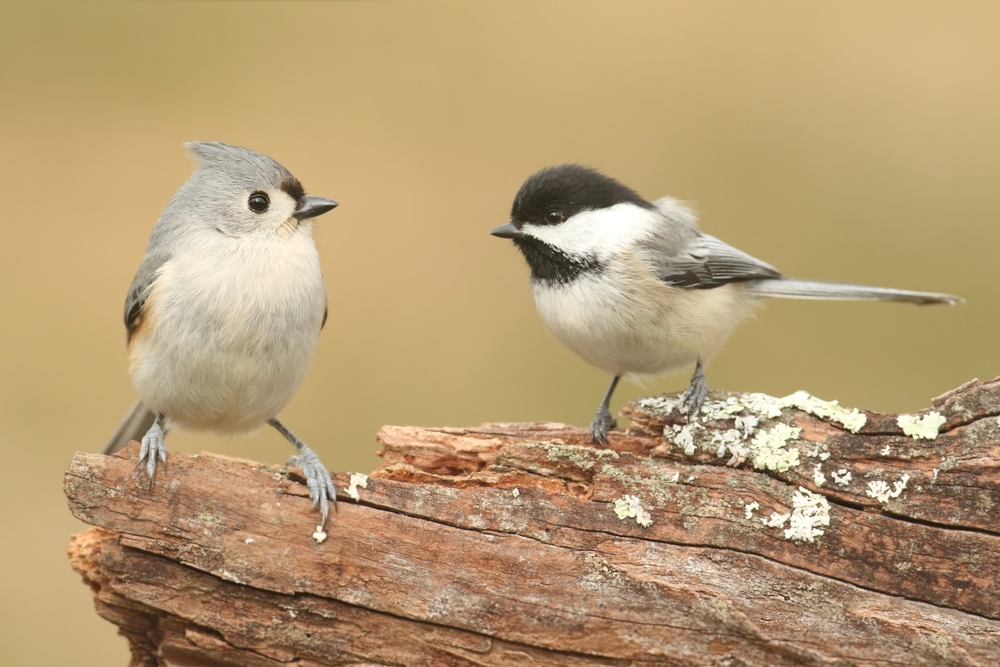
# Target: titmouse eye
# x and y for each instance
(258, 202)
(554, 217)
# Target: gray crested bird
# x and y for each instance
(223, 314)
(635, 288)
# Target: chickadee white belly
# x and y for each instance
(634, 287)
(627, 322)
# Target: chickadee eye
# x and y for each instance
(554, 217)
(258, 202)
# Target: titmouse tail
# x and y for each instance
(135, 425)
(811, 289)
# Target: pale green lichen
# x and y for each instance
(819, 479)
(851, 419)
(880, 491)
(842, 477)
(925, 427)
(319, 535)
(358, 480)
(619, 475)
(767, 407)
(722, 409)
(768, 451)
(809, 512)
(746, 425)
(725, 439)
(684, 438)
(749, 508)
(629, 507)
(776, 520)
(659, 404)
(584, 457)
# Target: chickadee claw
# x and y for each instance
(696, 394)
(603, 422)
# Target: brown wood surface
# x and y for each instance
(500, 545)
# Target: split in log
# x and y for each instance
(763, 535)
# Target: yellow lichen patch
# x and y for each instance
(918, 428)
(851, 419)
(629, 507)
(358, 481)
(768, 451)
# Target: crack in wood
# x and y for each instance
(442, 563)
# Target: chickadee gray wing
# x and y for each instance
(705, 262)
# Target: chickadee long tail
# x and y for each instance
(133, 427)
(811, 289)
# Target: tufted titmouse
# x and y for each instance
(634, 287)
(223, 314)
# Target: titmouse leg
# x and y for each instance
(604, 421)
(321, 488)
(153, 447)
(694, 396)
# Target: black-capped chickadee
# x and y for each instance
(634, 287)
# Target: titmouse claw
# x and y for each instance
(153, 448)
(321, 488)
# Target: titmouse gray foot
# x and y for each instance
(153, 448)
(321, 488)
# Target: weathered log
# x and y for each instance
(764, 535)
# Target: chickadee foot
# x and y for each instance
(321, 488)
(603, 422)
(695, 395)
(152, 448)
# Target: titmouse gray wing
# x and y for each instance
(139, 419)
(137, 293)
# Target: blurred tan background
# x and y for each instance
(850, 141)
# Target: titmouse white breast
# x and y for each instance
(223, 315)
(634, 287)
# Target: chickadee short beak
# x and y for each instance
(508, 231)
(313, 206)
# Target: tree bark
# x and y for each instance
(765, 535)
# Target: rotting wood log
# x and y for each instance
(762, 535)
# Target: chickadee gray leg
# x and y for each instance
(153, 447)
(321, 488)
(604, 421)
(695, 395)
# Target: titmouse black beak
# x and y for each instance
(313, 206)
(508, 231)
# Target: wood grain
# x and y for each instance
(500, 545)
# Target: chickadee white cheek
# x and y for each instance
(598, 233)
